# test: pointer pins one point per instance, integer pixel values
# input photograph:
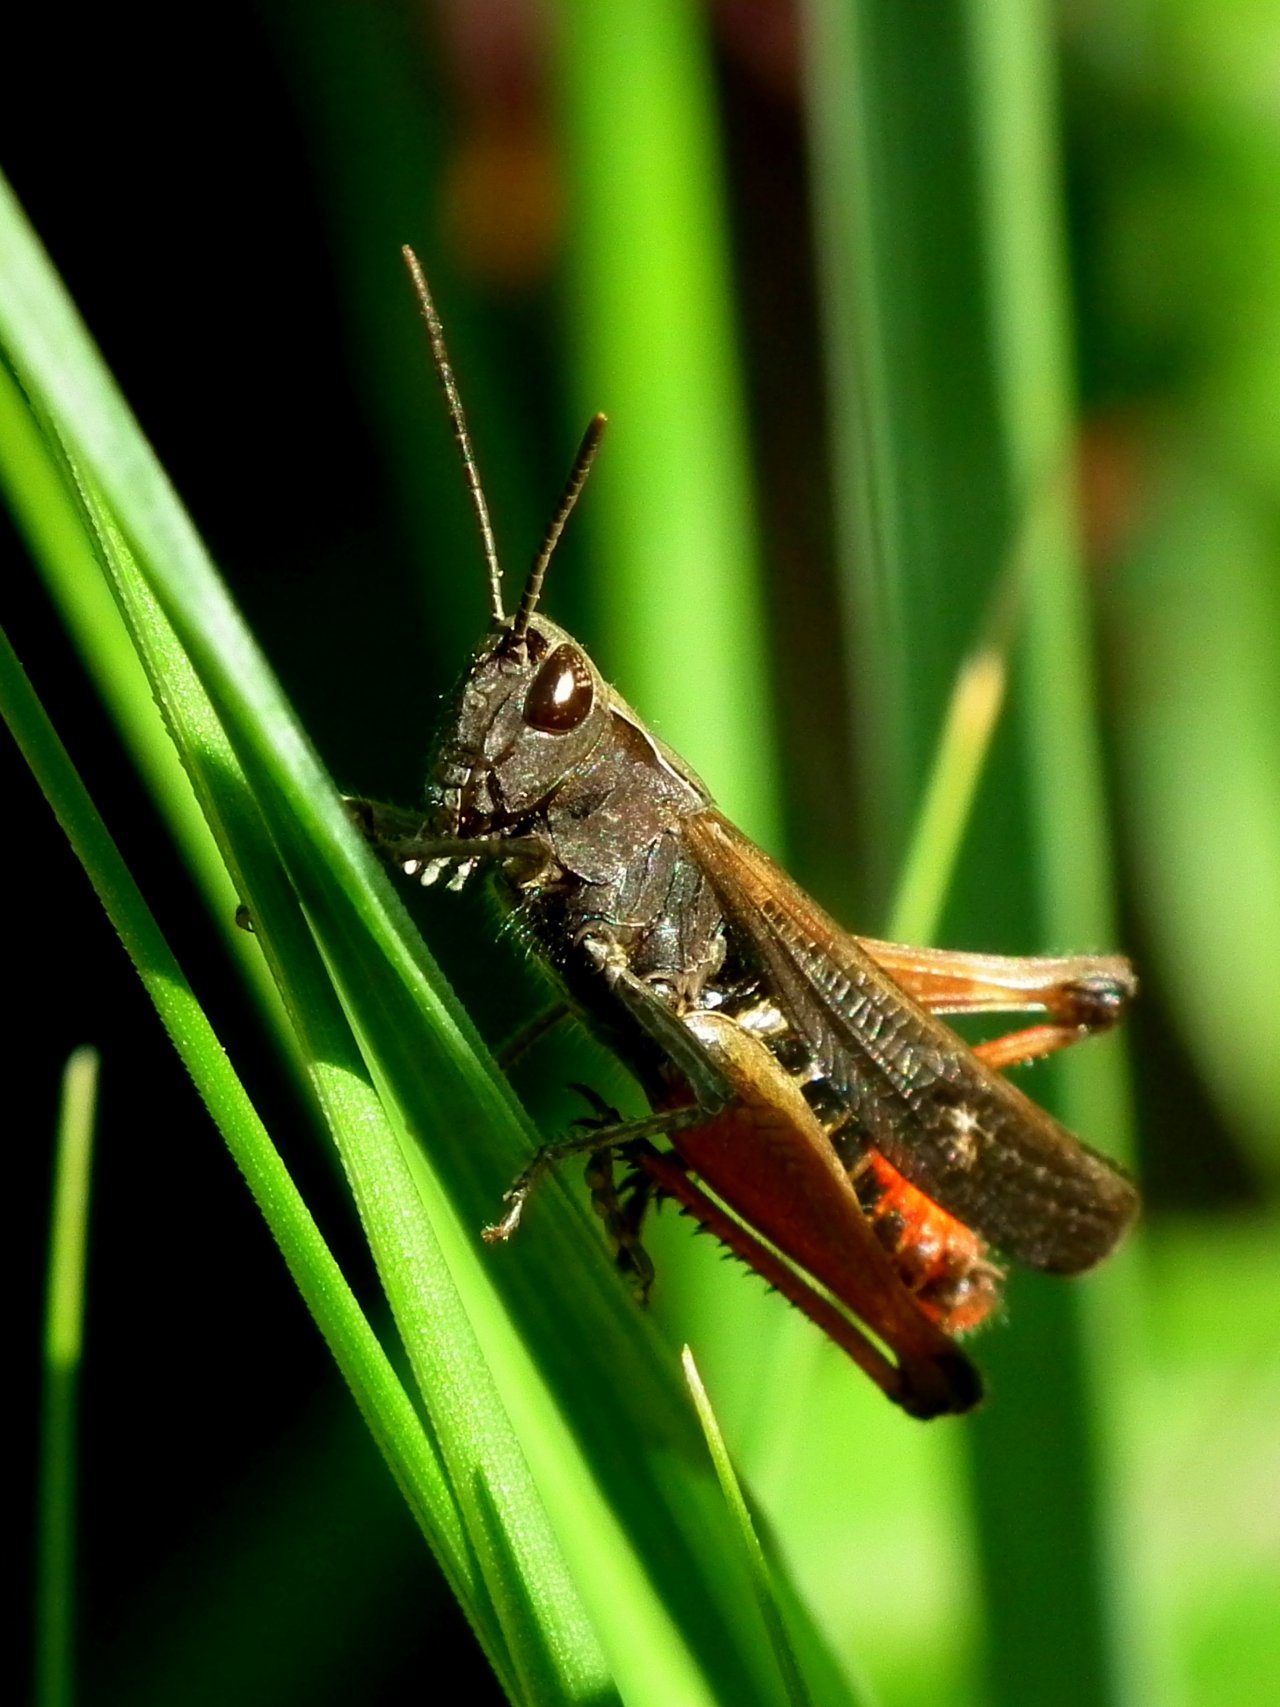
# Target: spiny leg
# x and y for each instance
(602, 1138)
(924, 1386)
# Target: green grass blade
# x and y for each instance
(55, 1618)
(1085, 1628)
(383, 1401)
(949, 796)
(921, 520)
(919, 529)
(761, 1577)
(938, 205)
(654, 343)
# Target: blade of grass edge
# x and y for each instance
(55, 1580)
(384, 1404)
(936, 838)
(761, 1577)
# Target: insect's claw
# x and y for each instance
(500, 1231)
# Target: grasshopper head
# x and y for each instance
(530, 710)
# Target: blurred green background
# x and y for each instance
(806, 258)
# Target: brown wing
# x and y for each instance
(967, 1137)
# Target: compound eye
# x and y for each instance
(562, 693)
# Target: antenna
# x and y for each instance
(568, 498)
(462, 438)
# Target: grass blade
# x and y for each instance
(761, 1578)
(654, 344)
(55, 1620)
(937, 197)
(385, 1405)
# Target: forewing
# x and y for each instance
(967, 1137)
